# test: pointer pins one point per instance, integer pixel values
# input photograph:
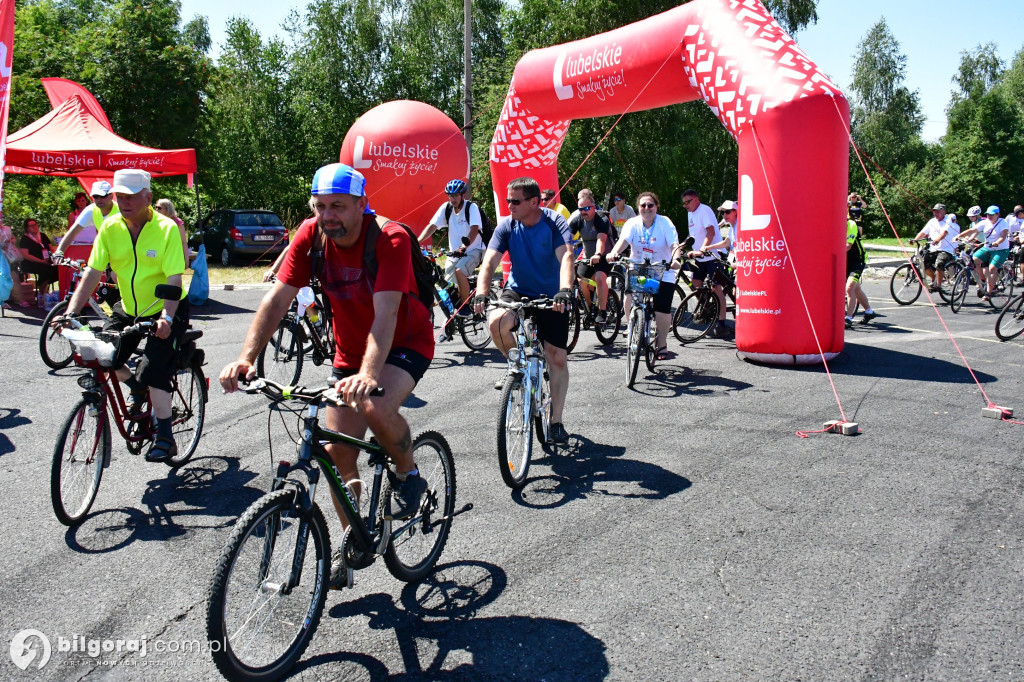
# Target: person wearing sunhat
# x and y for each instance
(941, 232)
(77, 243)
(991, 256)
(144, 249)
(730, 212)
(383, 335)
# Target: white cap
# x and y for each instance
(100, 189)
(131, 181)
(727, 205)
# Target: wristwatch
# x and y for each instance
(167, 318)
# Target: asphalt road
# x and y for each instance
(688, 533)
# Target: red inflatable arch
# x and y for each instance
(787, 117)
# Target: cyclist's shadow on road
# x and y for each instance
(672, 379)
(206, 493)
(10, 418)
(584, 468)
(439, 636)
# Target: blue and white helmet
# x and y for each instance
(455, 186)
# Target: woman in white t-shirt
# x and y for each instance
(653, 238)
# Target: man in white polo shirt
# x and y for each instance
(940, 231)
(462, 218)
(707, 236)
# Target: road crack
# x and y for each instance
(151, 638)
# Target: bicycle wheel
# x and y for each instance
(695, 316)
(284, 363)
(82, 448)
(634, 345)
(577, 314)
(1004, 289)
(417, 545)
(542, 420)
(475, 331)
(904, 286)
(188, 412)
(262, 629)
(1011, 321)
(515, 437)
(650, 356)
(607, 332)
(54, 348)
(949, 275)
(961, 286)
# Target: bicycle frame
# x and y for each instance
(527, 360)
(369, 538)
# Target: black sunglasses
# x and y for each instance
(514, 202)
(587, 208)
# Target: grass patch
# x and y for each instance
(884, 241)
(234, 274)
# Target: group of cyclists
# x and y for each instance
(383, 330)
(991, 238)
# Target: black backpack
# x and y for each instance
(486, 226)
(422, 270)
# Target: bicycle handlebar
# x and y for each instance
(543, 303)
(276, 391)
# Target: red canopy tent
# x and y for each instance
(71, 142)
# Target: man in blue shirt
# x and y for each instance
(538, 242)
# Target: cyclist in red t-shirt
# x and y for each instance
(382, 331)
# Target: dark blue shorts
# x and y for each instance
(414, 364)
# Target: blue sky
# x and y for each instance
(931, 33)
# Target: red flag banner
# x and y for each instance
(6, 55)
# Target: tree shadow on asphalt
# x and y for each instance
(214, 310)
(886, 363)
(584, 468)
(10, 418)
(439, 636)
(206, 493)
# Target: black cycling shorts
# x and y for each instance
(703, 269)
(663, 299)
(854, 265)
(586, 270)
(411, 362)
(159, 359)
(552, 327)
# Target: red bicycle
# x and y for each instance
(83, 447)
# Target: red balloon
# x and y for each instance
(407, 151)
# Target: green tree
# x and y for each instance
(887, 118)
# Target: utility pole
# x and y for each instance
(467, 113)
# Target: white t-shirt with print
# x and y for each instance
(936, 227)
(655, 243)
(458, 227)
(699, 221)
(618, 218)
(992, 232)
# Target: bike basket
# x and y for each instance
(89, 347)
(645, 278)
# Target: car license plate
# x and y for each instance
(263, 238)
